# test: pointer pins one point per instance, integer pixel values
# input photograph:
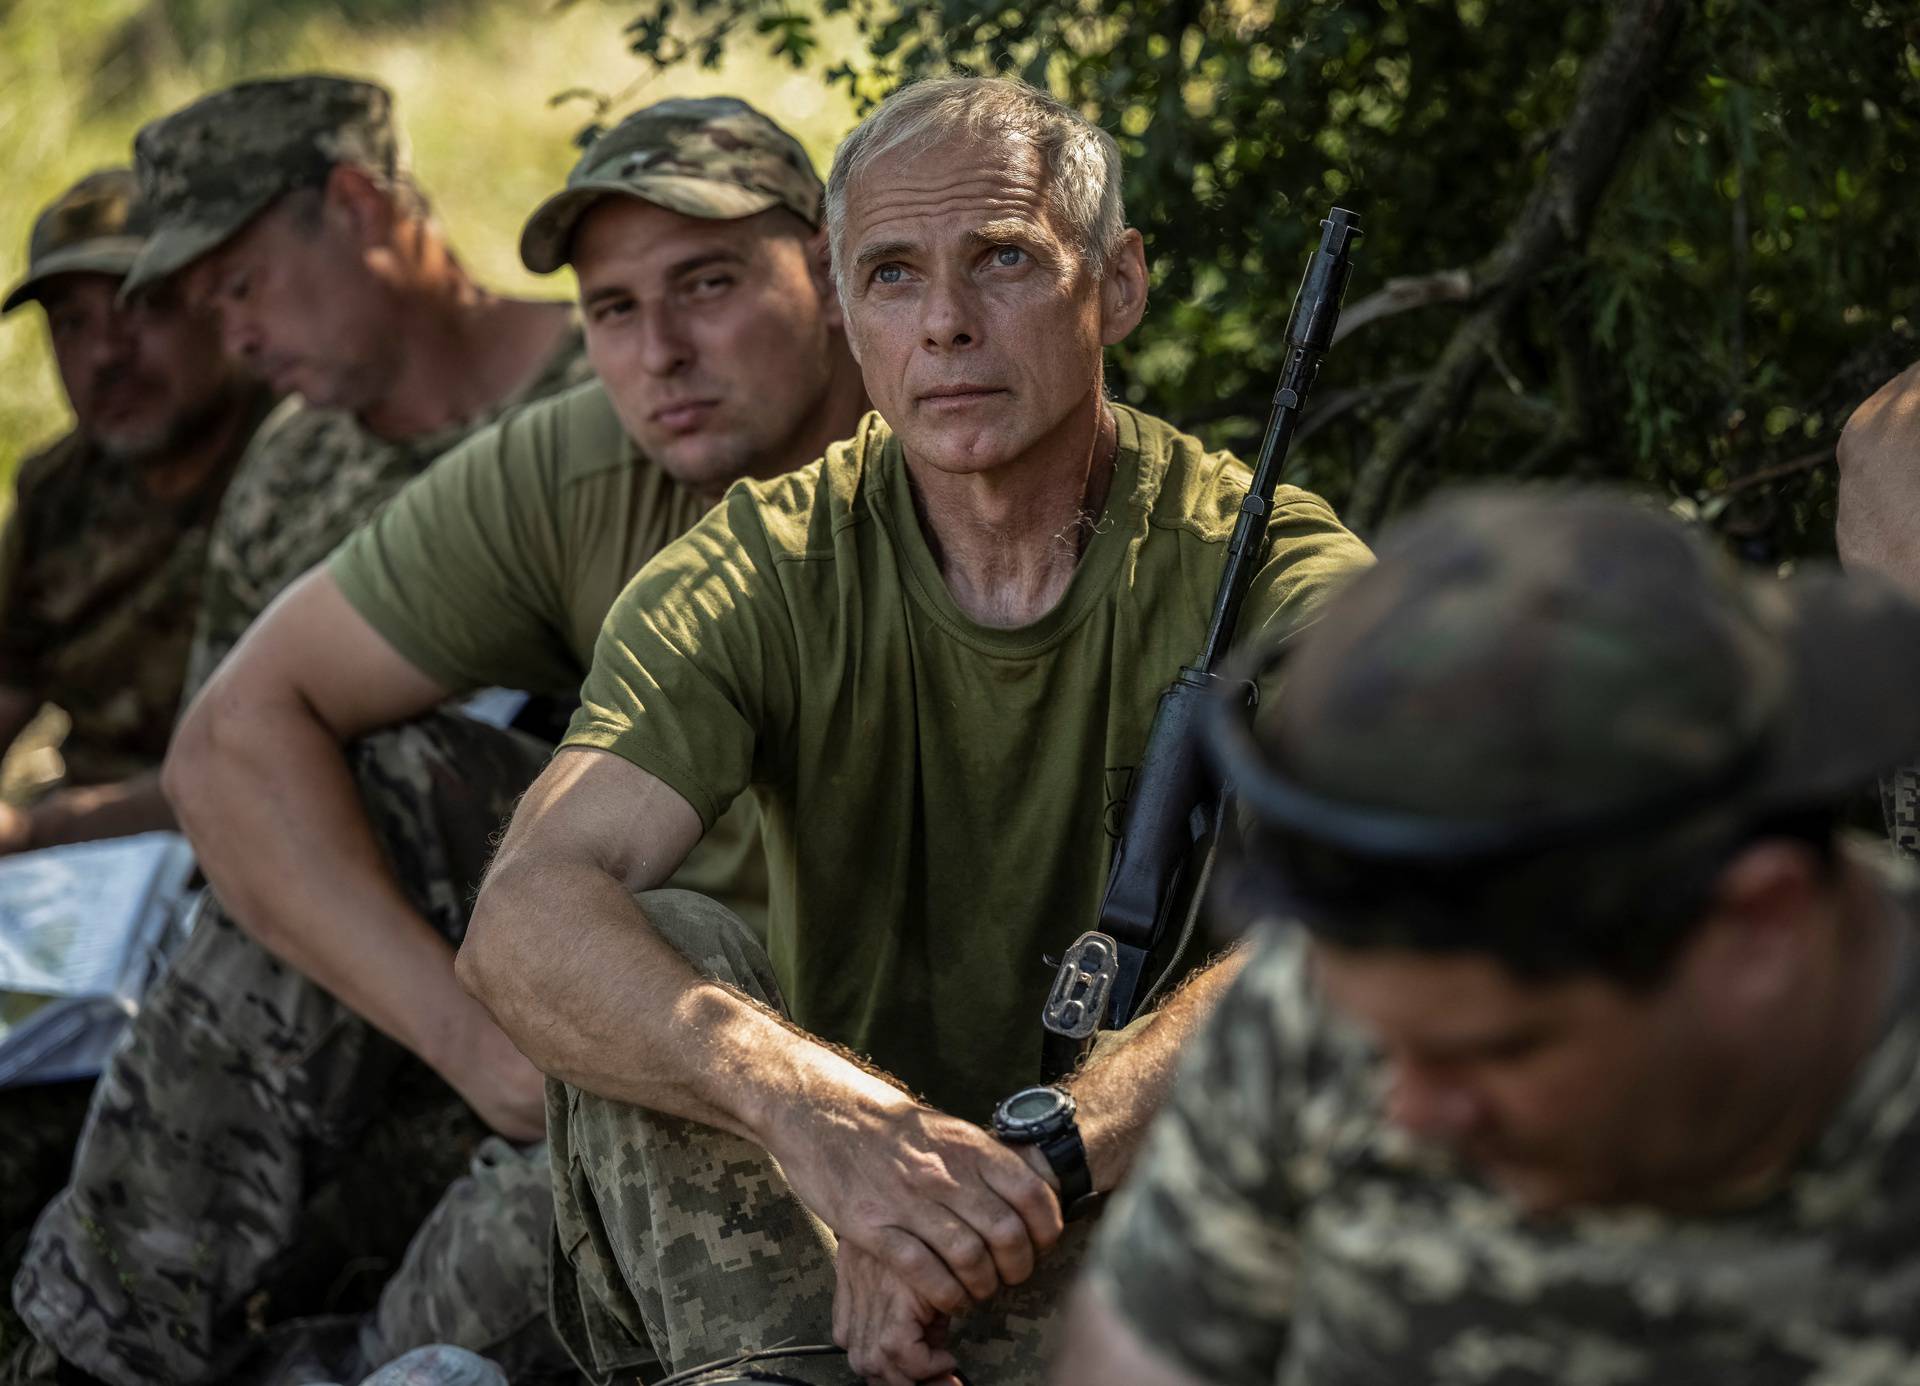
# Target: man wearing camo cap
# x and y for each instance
(100, 566)
(101, 560)
(1597, 1058)
(693, 228)
(287, 207)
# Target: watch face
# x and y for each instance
(1034, 1104)
(1033, 1114)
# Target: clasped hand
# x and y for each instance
(932, 1214)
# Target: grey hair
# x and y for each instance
(1082, 161)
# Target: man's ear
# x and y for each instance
(820, 267)
(1764, 922)
(1123, 290)
(356, 201)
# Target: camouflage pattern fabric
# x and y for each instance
(712, 156)
(242, 1088)
(99, 586)
(311, 478)
(1277, 1230)
(209, 168)
(676, 1244)
(1900, 803)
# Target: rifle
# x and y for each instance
(1173, 818)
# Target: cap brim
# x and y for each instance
(1855, 704)
(110, 255)
(545, 240)
(173, 245)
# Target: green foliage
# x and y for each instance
(1749, 273)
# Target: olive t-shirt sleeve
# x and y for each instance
(460, 572)
(1199, 1254)
(693, 673)
(1310, 555)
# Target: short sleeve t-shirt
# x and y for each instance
(99, 588)
(311, 478)
(498, 565)
(939, 797)
(1277, 1232)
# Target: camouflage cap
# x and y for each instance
(1537, 727)
(94, 227)
(1519, 656)
(712, 156)
(211, 167)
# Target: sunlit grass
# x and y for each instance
(471, 91)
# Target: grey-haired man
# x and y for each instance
(926, 654)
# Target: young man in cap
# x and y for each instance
(101, 560)
(1577, 1047)
(931, 655)
(693, 228)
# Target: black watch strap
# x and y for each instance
(1067, 1157)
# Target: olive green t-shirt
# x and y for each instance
(496, 566)
(939, 797)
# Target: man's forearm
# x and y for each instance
(86, 813)
(1120, 1089)
(640, 1025)
(276, 821)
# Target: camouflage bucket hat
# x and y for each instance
(1566, 704)
(95, 227)
(1521, 657)
(211, 167)
(714, 157)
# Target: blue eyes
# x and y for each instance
(1003, 257)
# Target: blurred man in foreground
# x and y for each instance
(1593, 1055)
(101, 560)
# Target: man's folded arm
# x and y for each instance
(564, 957)
(261, 784)
(562, 954)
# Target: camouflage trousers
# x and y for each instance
(1900, 803)
(676, 1244)
(253, 1142)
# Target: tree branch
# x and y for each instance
(1608, 110)
(1403, 295)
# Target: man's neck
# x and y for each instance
(463, 351)
(1008, 540)
(1837, 1035)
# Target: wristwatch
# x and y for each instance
(1043, 1116)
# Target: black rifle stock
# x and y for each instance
(1171, 814)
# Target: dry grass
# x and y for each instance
(471, 90)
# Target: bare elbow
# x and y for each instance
(481, 965)
(184, 770)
